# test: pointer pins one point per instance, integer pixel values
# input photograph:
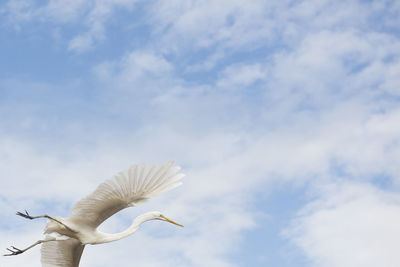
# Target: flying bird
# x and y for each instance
(65, 238)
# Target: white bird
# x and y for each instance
(66, 237)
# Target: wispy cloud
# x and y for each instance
(90, 15)
(351, 225)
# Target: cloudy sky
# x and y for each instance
(284, 116)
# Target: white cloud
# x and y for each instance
(334, 61)
(83, 42)
(134, 69)
(95, 21)
(350, 225)
(226, 27)
(241, 76)
(221, 26)
(91, 14)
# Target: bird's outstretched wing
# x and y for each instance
(64, 253)
(126, 189)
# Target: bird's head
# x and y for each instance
(159, 216)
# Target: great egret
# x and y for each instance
(127, 189)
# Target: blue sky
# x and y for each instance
(283, 115)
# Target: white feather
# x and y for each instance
(65, 253)
(129, 188)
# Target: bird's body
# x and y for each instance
(66, 237)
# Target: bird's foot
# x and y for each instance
(25, 215)
(14, 251)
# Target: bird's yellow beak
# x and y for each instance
(171, 221)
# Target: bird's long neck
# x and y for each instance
(131, 229)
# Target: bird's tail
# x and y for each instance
(53, 226)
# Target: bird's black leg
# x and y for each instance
(28, 216)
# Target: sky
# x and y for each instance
(284, 116)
